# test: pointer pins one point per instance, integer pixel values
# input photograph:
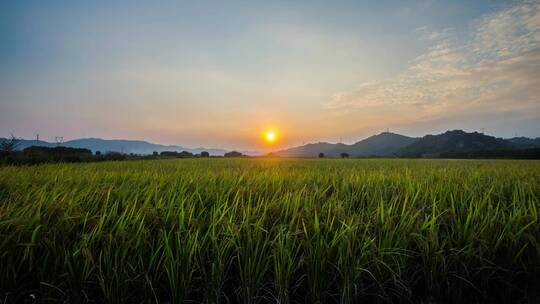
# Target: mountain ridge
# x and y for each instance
(384, 144)
(393, 144)
(117, 145)
(453, 141)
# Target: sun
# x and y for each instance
(270, 136)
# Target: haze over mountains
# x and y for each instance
(391, 144)
(380, 145)
(118, 145)
(384, 144)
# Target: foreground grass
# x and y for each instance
(254, 230)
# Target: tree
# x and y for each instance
(344, 155)
(9, 145)
(39, 154)
(169, 153)
(205, 154)
(155, 153)
(321, 155)
(98, 153)
(115, 156)
(185, 154)
(233, 154)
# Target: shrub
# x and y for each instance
(233, 154)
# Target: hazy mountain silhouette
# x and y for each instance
(384, 144)
(389, 144)
(312, 150)
(525, 142)
(117, 145)
(454, 141)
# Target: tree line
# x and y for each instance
(10, 155)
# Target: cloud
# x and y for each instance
(495, 67)
(428, 34)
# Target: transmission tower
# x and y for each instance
(59, 140)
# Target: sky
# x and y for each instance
(219, 73)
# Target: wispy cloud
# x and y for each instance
(495, 67)
(428, 34)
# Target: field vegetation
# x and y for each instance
(271, 231)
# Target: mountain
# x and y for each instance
(524, 142)
(24, 143)
(311, 150)
(384, 144)
(456, 141)
(117, 145)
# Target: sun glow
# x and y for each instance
(270, 136)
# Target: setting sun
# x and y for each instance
(270, 136)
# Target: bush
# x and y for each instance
(36, 154)
(114, 156)
(233, 154)
(183, 154)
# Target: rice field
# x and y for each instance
(271, 231)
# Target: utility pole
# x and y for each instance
(37, 138)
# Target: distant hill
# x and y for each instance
(116, 145)
(311, 150)
(524, 142)
(454, 141)
(383, 144)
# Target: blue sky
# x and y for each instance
(220, 73)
